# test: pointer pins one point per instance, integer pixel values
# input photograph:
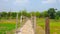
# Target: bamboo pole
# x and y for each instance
(16, 22)
(33, 19)
(35, 24)
(21, 20)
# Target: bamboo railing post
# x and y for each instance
(35, 24)
(21, 21)
(33, 19)
(16, 22)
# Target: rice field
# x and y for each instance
(9, 26)
(54, 25)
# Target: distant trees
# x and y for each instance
(52, 13)
(13, 14)
(25, 13)
(0, 16)
(38, 14)
(33, 13)
(7, 15)
(45, 13)
(58, 13)
(3, 14)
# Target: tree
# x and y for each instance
(45, 13)
(0, 15)
(57, 17)
(19, 14)
(28, 15)
(24, 12)
(38, 14)
(9, 15)
(58, 13)
(51, 13)
(33, 13)
(4, 14)
(13, 14)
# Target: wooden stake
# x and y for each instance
(47, 27)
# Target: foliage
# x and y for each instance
(54, 26)
(51, 13)
(38, 14)
(58, 13)
(45, 14)
(57, 17)
(3, 14)
(7, 25)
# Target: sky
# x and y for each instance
(29, 5)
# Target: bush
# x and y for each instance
(57, 17)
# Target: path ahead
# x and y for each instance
(27, 28)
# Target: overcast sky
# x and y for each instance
(30, 5)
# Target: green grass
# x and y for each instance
(7, 26)
(54, 25)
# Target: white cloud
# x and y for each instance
(21, 1)
(48, 1)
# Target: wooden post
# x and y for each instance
(47, 27)
(35, 24)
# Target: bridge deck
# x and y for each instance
(27, 28)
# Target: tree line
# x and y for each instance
(51, 12)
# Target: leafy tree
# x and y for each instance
(45, 14)
(51, 13)
(58, 13)
(24, 12)
(57, 17)
(4, 14)
(9, 15)
(13, 14)
(0, 15)
(19, 14)
(33, 13)
(28, 15)
(37, 14)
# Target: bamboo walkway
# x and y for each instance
(27, 28)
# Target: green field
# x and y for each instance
(6, 27)
(54, 25)
(9, 26)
